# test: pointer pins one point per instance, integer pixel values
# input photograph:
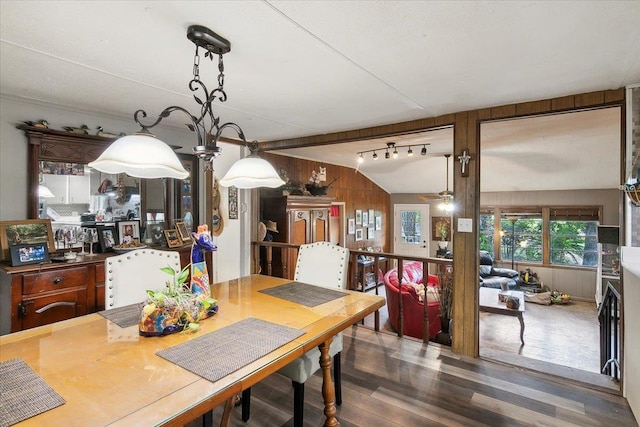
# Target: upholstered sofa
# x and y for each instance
(491, 277)
(413, 308)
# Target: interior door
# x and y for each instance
(411, 230)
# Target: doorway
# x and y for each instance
(535, 172)
(411, 230)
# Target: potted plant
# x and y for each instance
(175, 308)
(445, 302)
(442, 229)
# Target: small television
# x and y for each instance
(609, 234)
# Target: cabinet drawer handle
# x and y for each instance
(57, 281)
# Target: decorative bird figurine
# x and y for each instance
(102, 132)
(37, 124)
(82, 129)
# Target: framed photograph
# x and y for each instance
(25, 232)
(358, 217)
(233, 202)
(186, 191)
(128, 231)
(371, 217)
(107, 237)
(173, 239)
(183, 231)
(351, 226)
(378, 223)
(36, 253)
(371, 233)
(441, 225)
(365, 218)
(359, 235)
(155, 233)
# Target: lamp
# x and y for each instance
(252, 172)
(394, 153)
(142, 155)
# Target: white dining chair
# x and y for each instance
(321, 264)
(130, 275)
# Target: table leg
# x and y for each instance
(226, 415)
(521, 319)
(328, 391)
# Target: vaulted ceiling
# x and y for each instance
(299, 68)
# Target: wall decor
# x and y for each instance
(371, 233)
(351, 226)
(26, 231)
(233, 202)
(106, 237)
(441, 228)
(173, 239)
(359, 235)
(365, 218)
(371, 217)
(358, 217)
(128, 231)
(378, 223)
(183, 231)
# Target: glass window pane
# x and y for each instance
(486, 232)
(574, 243)
(411, 232)
(521, 239)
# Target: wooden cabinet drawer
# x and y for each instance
(54, 308)
(53, 280)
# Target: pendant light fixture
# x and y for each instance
(142, 155)
(391, 154)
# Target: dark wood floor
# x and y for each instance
(389, 381)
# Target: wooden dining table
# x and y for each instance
(110, 375)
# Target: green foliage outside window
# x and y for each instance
(521, 239)
(574, 243)
(486, 233)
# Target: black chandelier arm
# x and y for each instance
(164, 114)
(234, 127)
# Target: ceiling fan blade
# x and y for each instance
(429, 197)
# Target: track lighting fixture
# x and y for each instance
(391, 150)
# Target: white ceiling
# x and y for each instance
(299, 68)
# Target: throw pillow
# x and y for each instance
(433, 294)
(418, 290)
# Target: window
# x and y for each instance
(521, 237)
(486, 232)
(548, 235)
(573, 239)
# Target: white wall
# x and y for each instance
(631, 317)
(231, 259)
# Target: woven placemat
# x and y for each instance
(23, 394)
(302, 293)
(124, 316)
(222, 352)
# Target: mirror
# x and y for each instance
(75, 197)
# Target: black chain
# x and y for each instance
(196, 66)
(221, 75)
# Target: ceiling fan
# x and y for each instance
(446, 196)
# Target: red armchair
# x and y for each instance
(413, 309)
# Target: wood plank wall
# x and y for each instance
(356, 190)
(467, 137)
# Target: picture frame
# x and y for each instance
(107, 237)
(34, 253)
(371, 233)
(26, 231)
(378, 223)
(186, 191)
(233, 202)
(365, 218)
(437, 222)
(183, 231)
(128, 231)
(371, 217)
(155, 233)
(351, 226)
(173, 238)
(359, 234)
(358, 217)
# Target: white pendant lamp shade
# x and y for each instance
(141, 155)
(252, 172)
(44, 192)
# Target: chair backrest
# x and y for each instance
(129, 276)
(322, 264)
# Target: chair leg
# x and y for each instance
(298, 403)
(337, 379)
(246, 404)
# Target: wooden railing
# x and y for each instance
(441, 267)
(609, 316)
